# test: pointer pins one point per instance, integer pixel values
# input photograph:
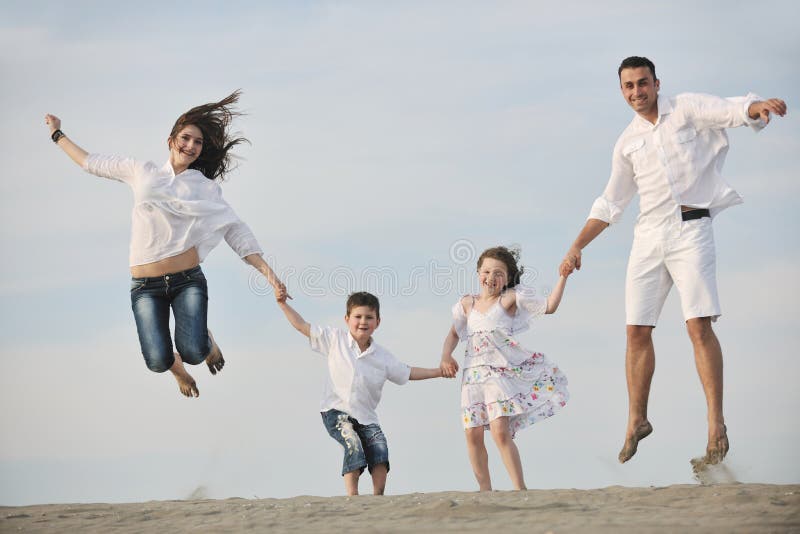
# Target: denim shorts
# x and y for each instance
(364, 445)
(186, 293)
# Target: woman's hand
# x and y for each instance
(280, 293)
(53, 122)
(76, 153)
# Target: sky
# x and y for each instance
(391, 142)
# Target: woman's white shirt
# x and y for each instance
(173, 213)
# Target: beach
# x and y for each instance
(758, 508)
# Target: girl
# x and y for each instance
(504, 386)
(179, 215)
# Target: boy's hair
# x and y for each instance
(362, 298)
(509, 257)
(634, 62)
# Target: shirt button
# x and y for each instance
(167, 277)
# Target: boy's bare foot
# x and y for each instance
(214, 360)
(717, 447)
(632, 442)
(186, 383)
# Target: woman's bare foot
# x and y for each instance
(632, 442)
(214, 360)
(186, 383)
(717, 447)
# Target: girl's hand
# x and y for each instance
(565, 269)
(571, 261)
(449, 366)
(53, 122)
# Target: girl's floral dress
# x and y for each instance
(500, 377)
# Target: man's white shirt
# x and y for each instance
(675, 162)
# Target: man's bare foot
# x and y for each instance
(186, 383)
(632, 442)
(717, 447)
(214, 360)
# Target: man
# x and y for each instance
(671, 154)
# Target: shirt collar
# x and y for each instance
(664, 107)
(167, 168)
(354, 345)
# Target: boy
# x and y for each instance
(357, 369)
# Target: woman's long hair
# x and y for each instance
(214, 121)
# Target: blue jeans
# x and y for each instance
(364, 445)
(151, 298)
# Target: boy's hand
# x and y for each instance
(449, 366)
(280, 293)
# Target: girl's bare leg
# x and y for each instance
(379, 473)
(351, 482)
(508, 451)
(186, 383)
(478, 457)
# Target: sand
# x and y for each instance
(726, 508)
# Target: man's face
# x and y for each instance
(640, 90)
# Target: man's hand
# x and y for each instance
(571, 262)
(762, 108)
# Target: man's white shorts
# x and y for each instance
(689, 260)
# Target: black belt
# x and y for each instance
(699, 213)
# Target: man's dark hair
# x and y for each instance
(362, 298)
(635, 62)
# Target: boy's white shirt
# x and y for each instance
(355, 379)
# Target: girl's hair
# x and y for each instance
(508, 256)
(214, 120)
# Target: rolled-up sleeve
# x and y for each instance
(122, 169)
(711, 111)
(241, 239)
(619, 191)
(745, 102)
(396, 371)
(320, 339)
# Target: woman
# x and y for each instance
(179, 215)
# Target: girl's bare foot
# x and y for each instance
(186, 383)
(632, 442)
(214, 360)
